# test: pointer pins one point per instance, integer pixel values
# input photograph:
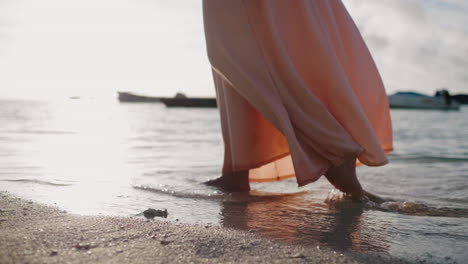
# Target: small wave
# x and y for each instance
(221, 196)
(430, 159)
(50, 132)
(51, 183)
(212, 196)
(421, 209)
(338, 199)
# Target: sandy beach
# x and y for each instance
(35, 233)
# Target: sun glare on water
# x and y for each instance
(83, 146)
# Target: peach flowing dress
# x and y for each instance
(296, 87)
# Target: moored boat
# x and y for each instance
(180, 100)
(412, 100)
(190, 102)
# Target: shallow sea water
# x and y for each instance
(102, 157)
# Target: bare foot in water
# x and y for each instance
(232, 182)
(344, 178)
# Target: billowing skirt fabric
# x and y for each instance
(297, 88)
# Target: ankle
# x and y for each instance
(344, 178)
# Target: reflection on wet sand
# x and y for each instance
(296, 219)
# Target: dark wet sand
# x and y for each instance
(34, 233)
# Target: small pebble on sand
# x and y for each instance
(152, 213)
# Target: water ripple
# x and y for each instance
(42, 182)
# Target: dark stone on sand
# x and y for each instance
(83, 246)
(152, 213)
(165, 242)
(53, 253)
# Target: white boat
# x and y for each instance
(411, 100)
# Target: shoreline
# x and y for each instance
(36, 233)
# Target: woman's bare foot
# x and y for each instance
(344, 178)
(232, 182)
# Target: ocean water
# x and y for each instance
(103, 157)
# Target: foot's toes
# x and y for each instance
(229, 185)
(213, 182)
(335, 196)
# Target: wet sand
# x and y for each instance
(35, 233)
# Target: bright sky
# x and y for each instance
(61, 48)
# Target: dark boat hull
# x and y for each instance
(461, 98)
(190, 102)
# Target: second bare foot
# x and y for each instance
(232, 182)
